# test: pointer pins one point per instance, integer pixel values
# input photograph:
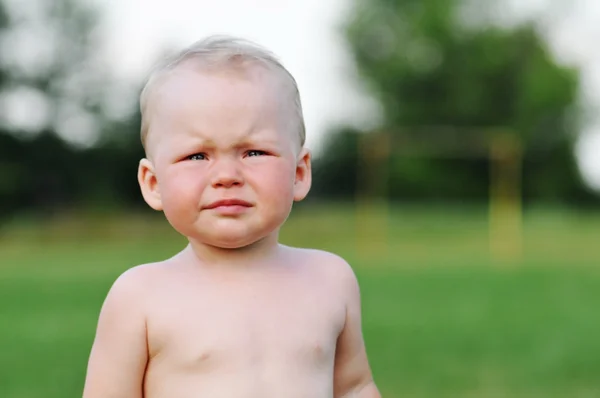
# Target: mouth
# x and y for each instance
(228, 203)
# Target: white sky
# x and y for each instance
(305, 35)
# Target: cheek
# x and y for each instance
(278, 181)
(180, 187)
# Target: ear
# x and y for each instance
(303, 180)
(149, 184)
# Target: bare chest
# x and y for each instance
(261, 327)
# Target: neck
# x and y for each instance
(258, 253)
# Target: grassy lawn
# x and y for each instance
(441, 318)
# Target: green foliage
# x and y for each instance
(39, 171)
(44, 174)
(335, 171)
(428, 65)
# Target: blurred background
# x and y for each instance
(456, 166)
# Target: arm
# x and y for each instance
(119, 354)
(352, 374)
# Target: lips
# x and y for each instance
(228, 203)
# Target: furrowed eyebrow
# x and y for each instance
(258, 141)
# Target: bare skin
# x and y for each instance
(179, 329)
(235, 314)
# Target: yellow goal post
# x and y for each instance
(501, 147)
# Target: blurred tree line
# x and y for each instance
(427, 62)
(433, 63)
(51, 62)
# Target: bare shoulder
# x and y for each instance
(134, 285)
(138, 276)
(119, 352)
(330, 267)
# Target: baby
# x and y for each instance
(235, 314)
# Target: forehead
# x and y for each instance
(224, 103)
(188, 90)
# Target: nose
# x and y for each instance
(226, 174)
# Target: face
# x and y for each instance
(221, 164)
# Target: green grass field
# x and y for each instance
(441, 318)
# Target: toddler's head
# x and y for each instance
(225, 54)
(223, 131)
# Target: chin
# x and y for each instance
(231, 234)
(231, 242)
(232, 239)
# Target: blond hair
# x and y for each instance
(223, 51)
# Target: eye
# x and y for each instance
(197, 156)
(256, 152)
